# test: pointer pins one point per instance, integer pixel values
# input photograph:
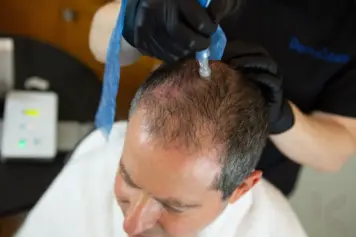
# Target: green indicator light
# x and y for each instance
(22, 144)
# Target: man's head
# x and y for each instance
(191, 148)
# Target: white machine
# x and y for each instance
(30, 125)
(30, 128)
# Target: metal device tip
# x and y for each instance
(204, 70)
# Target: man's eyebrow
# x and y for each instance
(172, 202)
(127, 178)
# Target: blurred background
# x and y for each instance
(325, 203)
(65, 24)
(51, 41)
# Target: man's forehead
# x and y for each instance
(139, 133)
(172, 159)
(144, 153)
(152, 167)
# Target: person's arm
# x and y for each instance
(321, 140)
(102, 26)
(324, 139)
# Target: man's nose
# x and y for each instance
(141, 215)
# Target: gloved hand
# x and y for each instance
(172, 29)
(254, 62)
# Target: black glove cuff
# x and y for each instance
(285, 121)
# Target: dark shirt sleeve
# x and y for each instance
(339, 94)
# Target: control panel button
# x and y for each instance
(22, 143)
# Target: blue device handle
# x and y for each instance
(218, 41)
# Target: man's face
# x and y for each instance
(165, 192)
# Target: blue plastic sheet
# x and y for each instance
(105, 116)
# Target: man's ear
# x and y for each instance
(247, 184)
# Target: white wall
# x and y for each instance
(326, 203)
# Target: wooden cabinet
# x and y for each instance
(66, 24)
(74, 26)
(33, 18)
(62, 23)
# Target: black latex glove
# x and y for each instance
(172, 29)
(254, 62)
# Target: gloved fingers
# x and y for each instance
(168, 46)
(180, 31)
(154, 49)
(268, 82)
(255, 63)
(166, 51)
(284, 121)
(151, 39)
(222, 8)
(190, 39)
(236, 49)
(197, 17)
(128, 31)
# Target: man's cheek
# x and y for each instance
(178, 225)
